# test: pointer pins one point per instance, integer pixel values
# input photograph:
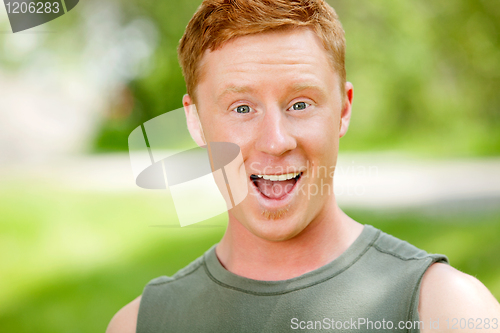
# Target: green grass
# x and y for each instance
(69, 260)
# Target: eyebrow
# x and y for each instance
(301, 86)
(294, 88)
(233, 90)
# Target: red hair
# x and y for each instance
(219, 21)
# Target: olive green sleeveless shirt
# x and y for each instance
(373, 285)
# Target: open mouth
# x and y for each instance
(275, 186)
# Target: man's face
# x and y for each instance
(278, 98)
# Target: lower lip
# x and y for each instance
(275, 203)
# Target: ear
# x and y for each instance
(345, 116)
(193, 121)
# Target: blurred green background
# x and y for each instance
(426, 76)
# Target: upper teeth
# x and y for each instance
(279, 177)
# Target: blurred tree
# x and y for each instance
(162, 89)
(426, 74)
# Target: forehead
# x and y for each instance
(293, 55)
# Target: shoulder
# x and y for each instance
(447, 293)
(158, 295)
(125, 320)
(405, 252)
(396, 247)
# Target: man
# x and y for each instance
(269, 76)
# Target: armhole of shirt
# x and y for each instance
(150, 305)
(414, 316)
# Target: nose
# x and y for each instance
(275, 135)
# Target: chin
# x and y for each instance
(275, 226)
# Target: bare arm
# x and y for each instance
(125, 320)
(447, 293)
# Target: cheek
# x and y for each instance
(214, 128)
(320, 138)
(222, 130)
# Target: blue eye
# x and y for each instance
(299, 106)
(243, 109)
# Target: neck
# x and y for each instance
(321, 242)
